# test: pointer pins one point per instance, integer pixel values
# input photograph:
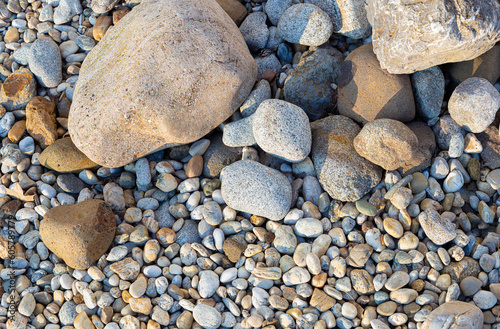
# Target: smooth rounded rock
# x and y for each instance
(45, 62)
(455, 314)
(305, 24)
(282, 129)
(161, 110)
(254, 188)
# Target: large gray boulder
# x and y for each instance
(168, 72)
(410, 35)
(342, 172)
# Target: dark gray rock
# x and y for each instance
(428, 89)
(444, 129)
(69, 183)
(163, 216)
(188, 233)
(217, 156)
(309, 85)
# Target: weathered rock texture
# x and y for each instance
(410, 35)
(455, 314)
(79, 233)
(344, 174)
(130, 101)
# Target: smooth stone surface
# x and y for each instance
(485, 66)
(239, 133)
(207, 316)
(255, 31)
(368, 92)
(62, 156)
(267, 192)
(80, 233)
(474, 104)
(215, 81)
(305, 24)
(45, 62)
(102, 6)
(348, 17)
(344, 174)
(282, 130)
(261, 92)
(403, 48)
(490, 140)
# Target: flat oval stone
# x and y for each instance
(455, 314)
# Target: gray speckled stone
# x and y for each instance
(239, 133)
(348, 17)
(67, 313)
(305, 24)
(45, 62)
(474, 104)
(22, 54)
(344, 174)
(275, 8)
(251, 187)
(163, 216)
(255, 31)
(188, 233)
(282, 130)
(270, 62)
(261, 92)
(428, 89)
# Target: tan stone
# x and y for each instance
(101, 25)
(486, 66)
(194, 166)
(119, 13)
(17, 131)
(79, 233)
(141, 305)
(82, 321)
(367, 92)
(179, 86)
(234, 9)
(233, 249)
(41, 121)
(18, 89)
(321, 301)
(389, 144)
(12, 35)
(62, 156)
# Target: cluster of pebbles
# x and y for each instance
(244, 228)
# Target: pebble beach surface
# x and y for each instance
(272, 164)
